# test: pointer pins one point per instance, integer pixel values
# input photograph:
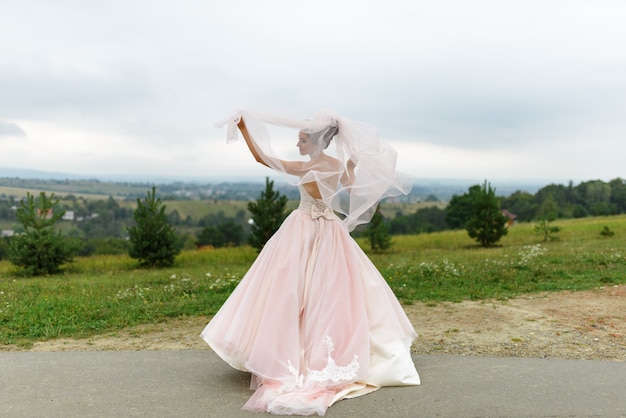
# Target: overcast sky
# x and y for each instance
(462, 89)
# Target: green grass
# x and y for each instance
(448, 266)
(106, 293)
(103, 294)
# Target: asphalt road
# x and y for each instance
(198, 384)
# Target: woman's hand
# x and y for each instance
(241, 124)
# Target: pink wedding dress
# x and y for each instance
(313, 320)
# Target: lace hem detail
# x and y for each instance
(331, 372)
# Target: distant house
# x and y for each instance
(47, 215)
(68, 215)
(86, 218)
(510, 217)
(7, 233)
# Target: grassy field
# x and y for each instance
(20, 192)
(197, 209)
(104, 294)
(89, 189)
(391, 209)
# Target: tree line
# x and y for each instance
(104, 227)
(554, 201)
(42, 248)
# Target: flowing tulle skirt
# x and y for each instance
(313, 321)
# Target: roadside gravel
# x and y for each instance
(567, 325)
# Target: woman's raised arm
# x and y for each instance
(258, 155)
(290, 167)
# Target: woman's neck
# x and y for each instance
(316, 156)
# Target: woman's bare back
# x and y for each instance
(324, 164)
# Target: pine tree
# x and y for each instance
(268, 213)
(40, 249)
(460, 208)
(225, 234)
(153, 240)
(548, 212)
(487, 223)
(378, 232)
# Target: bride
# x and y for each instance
(313, 320)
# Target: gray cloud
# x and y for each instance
(47, 93)
(478, 75)
(11, 129)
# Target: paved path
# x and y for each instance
(198, 384)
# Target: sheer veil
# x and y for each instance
(361, 172)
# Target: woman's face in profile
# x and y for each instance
(304, 143)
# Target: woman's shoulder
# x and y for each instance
(293, 167)
(325, 163)
(332, 162)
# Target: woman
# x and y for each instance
(313, 320)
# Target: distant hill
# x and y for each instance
(222, 188)
(23, 173)
(34, 174)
